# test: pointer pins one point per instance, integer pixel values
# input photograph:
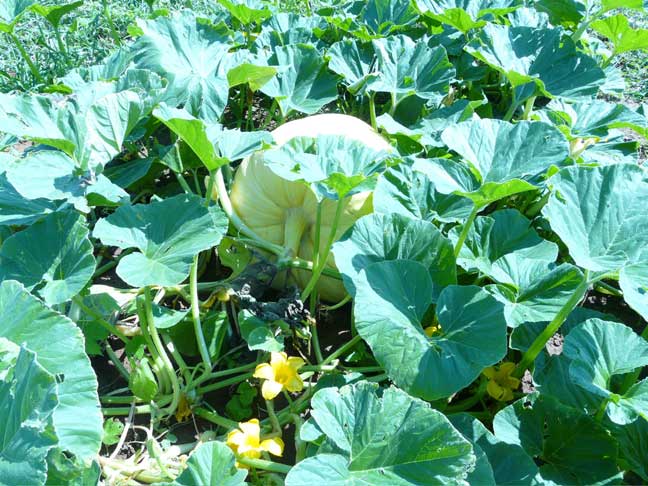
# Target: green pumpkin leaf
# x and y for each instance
(594, 118)
(541, 56)
(54, 13)
(191, 55)
(354, 62)
(335, 166)
(254, 75)
(501, 463)
(302, 82)
(623, 37)
(403, 191)
(53, 176)
(405, 68)
(247, 11)
(26, 320)
(386, 237)
(600, 350)
(258, 334)
(28, 397)
(507, 158)
(572, 447)
(17, 210)
(193, 132)
(391, 312)
(211, 463)
(598, 212)
(633, 280)
(389, 438)
(53, 257)
(10, 13)
(167, 244)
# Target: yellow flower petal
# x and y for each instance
(274, 446)
(251, 453)
(271, 389)
(507, 368)
(278, 358)
(295, 362)
(264, 371)
(294, 384)
(489, 372)
(251, 428)
(495, 391)
(235, 438)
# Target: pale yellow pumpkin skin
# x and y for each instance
(284, 212)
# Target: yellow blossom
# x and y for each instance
(500, 382)
(183, 412)
(279, 374)
(432, 330)
(246, 442)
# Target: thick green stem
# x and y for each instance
(220, 374)
(342, 303)
(528, 107)
(466, 228)
(265, 465)
(195, 316)
(168, 367)
(210, 188)
(78, 300)
(372, 111)
(539, 343)
(214, 418)
(342, 349)
(324, 256)
(276, 426)
(224, 384)
(158, 363)
(115, 360)
(23, 53)
(61, 44)
(511, 110)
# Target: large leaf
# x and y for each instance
(405, 68)
(58, 343)
(391, 312)
(10, 13)
(52, 175)
(54, 13)
(354, 61)
(623, 37)
(463, 15)
(53, 257)
(599, 213)
(90, 130)
(390, 439)
(503, 247)
(191, 55)
(302, 82)
(541, 56)
(384, 237)
(600, 350)
(18, 210)
(501, 463)
(335, 166)
(193, 132)
(404, 191)
(27, 400)
(507, 158)
(595, 118)
(211, 463)
(572, 447)
(168, 233)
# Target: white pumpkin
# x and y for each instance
(284, 212)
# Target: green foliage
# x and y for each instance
(493, 251)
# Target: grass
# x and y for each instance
(86, 32)
(634, 65)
